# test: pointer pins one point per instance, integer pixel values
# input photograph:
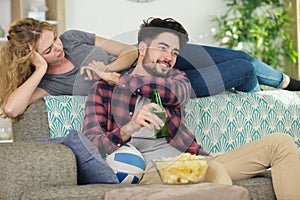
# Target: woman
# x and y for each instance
(35, 62)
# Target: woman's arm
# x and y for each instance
(24, 95)
(28, 92)
(126, 54)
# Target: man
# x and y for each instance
(120, 114)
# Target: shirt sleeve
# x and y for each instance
(73, 38)
(175, 90)
(98, 124)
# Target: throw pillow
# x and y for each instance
(65, 113)
(200, 191)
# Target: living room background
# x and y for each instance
(119, 19)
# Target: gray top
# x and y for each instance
(80, 49)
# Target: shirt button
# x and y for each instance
(130, 113)
(118, 145)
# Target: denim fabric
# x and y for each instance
(91, 167)
(212, 70)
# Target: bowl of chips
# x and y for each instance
(183, 169)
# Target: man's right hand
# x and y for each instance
(144, 118)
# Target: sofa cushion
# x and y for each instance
(83, 192)
(65, 113)
(200, 191)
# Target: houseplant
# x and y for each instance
(260, 28)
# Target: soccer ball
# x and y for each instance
(128, 163)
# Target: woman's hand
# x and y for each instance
(38, 61)
(93, 70)
(97, 70)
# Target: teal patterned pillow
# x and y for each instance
(220, 123)
(224, 122)
(64, 113)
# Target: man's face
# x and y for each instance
(161, 55)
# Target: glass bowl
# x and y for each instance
(183, 169)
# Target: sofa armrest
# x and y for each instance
(29, 165)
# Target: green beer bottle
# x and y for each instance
(162, 115)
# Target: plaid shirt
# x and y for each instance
(109, 108)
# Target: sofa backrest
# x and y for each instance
(220, 123)
(33, 124)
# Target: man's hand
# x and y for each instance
(144, 118)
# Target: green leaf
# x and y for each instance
(262, 26)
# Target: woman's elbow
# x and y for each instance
(12, 112)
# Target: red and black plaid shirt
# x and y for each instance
(109, 108)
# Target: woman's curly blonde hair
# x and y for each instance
(15, 66)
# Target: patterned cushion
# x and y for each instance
(64, 114)
(220, 123)
(225, 122)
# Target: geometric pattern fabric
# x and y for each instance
(220, 123)
(64, 113)
(224, 122)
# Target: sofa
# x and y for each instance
(30, 169)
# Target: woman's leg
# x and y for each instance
(277, 151)
(200, 56)
(214, 79)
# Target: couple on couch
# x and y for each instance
(118, 111)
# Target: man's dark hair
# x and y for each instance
(155, 26)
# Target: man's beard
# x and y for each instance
(151, 67)
(152, 70)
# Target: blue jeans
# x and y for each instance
(213, 70)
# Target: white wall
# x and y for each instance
(5, 14)
(120, 19)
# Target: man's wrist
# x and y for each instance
(124, 133)
(127, 130)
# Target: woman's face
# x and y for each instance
(50, 47)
